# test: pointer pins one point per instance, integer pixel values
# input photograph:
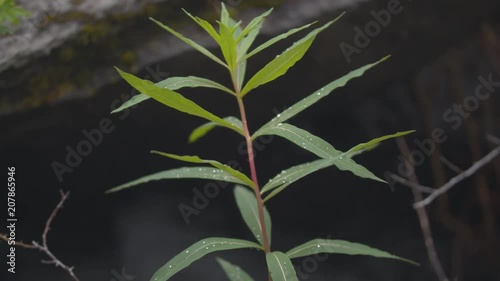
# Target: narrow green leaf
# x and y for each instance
(191, 43)
(316, 96)
(175, 83)
(367, 145)
(234, 27)
(317, 246)
(302, 138)
(182, 173)
(205, 25)
(174, 100)
(315, 145)
(295, 173)
(368, 148)
(233, 272)
(224, 15)
(240, 73)
(344, 163)
(280, 267)
(228, 46)
(276, 39)
(245, 43)
(274, 192)
(196, 252)
(198, 160)
(247, 204)
(131, 102)
(280, 65)
(254, 25)
(207, 127)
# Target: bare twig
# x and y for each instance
(416, 186)
(493, 139)
(455, 180)
(450, 165)
(44, 247)
(423, 218)
(5, 238)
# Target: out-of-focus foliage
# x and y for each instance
(10, 15)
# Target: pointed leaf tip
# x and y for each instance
(233, 272)
(198, 160)
(247, 204)
(329, 246)
(280, 267)
(196, 252)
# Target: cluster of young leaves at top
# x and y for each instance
(234, 42)
(10, 14)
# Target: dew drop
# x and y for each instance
(187, 251)
(340, 157)
(319, 246)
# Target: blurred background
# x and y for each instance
(58, 86)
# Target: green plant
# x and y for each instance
(234, 42)
(10, 14)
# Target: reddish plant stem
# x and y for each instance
(260, 205)
(253, 172)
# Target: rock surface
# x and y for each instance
(102, 34)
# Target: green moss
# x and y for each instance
(100, 42)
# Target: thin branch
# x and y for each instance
(450, 165)
(423, 218)
(44, 247)
(416, 186)
(493, 139)
(455, 180)
(5, 238)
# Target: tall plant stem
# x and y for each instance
(253, 172)
(251, 161)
